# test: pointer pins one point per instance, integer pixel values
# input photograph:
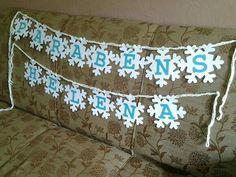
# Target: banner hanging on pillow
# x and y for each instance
(199, 65)
(162, 65)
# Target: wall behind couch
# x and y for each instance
(211, 13)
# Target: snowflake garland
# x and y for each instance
(129, 111)
(21, 28)
(199, 64)
(52, 84)
(163, 67)
(75, 97)
(101, 104)
(77, 51)
(204, 66)
(57, 46)
(33, 73)
(99, 58)
(130, 61)
(38, 36)
(166, 112)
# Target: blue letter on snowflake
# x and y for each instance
(57, 47)
(99, 58)
(203, 65)
(53, 85)
(75, 97)
(101, 104)
(32, 73)
(166, 111)
(38, 36)
(77, 51)
(130, 61)
(21, 28)
(129, 111)
(200, 63)
(101, 101)
(163, 67)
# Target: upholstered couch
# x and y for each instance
(41, 137)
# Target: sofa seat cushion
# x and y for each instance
(60, 152)
(17, 130)
(139, 167)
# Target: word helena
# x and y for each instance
(199, 63)
(164, 109)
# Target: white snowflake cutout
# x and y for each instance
(204, 66)
(33, 73)
(129, 111)
(101, 104)
(166, 111)
(53, 85)
(167, 64)
(75, 97)
(38, 36)
(77, 51)
(130, 60)
(21, 28)
(99, 64)
(53, 49)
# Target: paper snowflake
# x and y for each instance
(33, 73)
(57, 47)
(129, 60)
(166, 112)
(163, 67)
(99, 58)
(129, 111)
(38, 36)
(53, 85)
(21, 28)
(200, 63)
(75, 97)
(77, 51)
(101, 104)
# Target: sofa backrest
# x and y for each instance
(5, 20)
(184, 148)
(112, 130)
(31, 99)
(35, 100)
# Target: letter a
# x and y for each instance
(166, 112)
(76, 53)
(38, 37)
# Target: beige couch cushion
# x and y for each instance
(61, 152)
(139, 167)
(17, 130)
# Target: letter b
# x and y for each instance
(100, 60)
